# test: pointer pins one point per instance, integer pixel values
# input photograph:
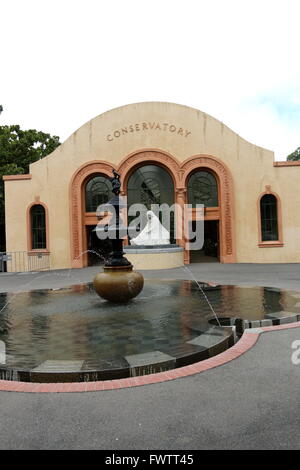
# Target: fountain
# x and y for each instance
(118, 282)
(73, 335)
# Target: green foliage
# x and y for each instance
(295, 155)
(18, 149)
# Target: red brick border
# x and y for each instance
(247, 341)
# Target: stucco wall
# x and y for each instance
(183, 132)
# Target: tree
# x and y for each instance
(295, 155)
(18, 149)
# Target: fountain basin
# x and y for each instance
(71, 334)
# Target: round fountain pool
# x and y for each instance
(71, 334)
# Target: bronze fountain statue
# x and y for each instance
(118, 282)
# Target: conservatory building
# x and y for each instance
(165, 154)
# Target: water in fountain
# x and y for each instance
(28, 284)
(204, 295)
(74, 326)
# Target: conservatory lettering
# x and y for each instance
(148, 126)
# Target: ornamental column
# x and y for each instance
(181, 222)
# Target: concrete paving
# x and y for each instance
(249, 403)
(273, 275)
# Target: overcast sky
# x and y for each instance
(63, 62)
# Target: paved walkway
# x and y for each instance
(250, 402)
(274, 275)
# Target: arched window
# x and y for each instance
(203, 189)
(148, 185)
(98, 191)
(38, 227)
(269, 218)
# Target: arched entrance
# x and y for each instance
(224, 212)
(203, 188)
(151, 185)
(80, 218)
(164, 172)
(97, 190)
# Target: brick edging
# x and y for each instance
(247, 341)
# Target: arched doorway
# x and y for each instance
(224, 213)
(97, 190)
(80, 218)
(202, 188)
(160, 163)
(151, 185)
